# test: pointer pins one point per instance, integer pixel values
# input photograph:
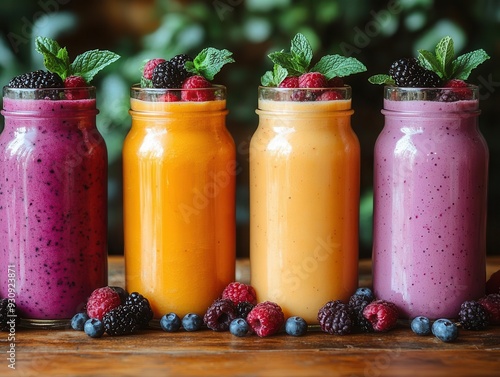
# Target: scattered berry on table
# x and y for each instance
(445, 330)
(266, 318)
(290, 82)
(356, 305)
(296, 326)
(78, 321)
(197, 82)
(407, 72)
(335, 82)
(7, 310)
(147, 71)
(219, 315)
(493, 283)
(312, 80)
(491, 303)
(179, 62)
(170, 322)
(334, 318)
(243, 308)
(140, 306)
(166, 75)
(192, 322)
(473, 316)
(239, 327)
(365, 291)
(101, 301)
(240, 292)
(421, 325)
(37, 80)
(383, 315)
(121, 321)
(94, 328)
(329, 95)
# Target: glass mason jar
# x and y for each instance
(53, 203)
(430, 184)
(304, 200)
(179, 171)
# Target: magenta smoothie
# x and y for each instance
(430, 184)
(53, 195)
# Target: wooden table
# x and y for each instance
(154, 353)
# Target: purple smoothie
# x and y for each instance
(53, 195)
(430, 184)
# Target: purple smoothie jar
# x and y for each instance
(430, 187)
(53, 203)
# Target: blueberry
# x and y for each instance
(94, 328)
(192, 322)
(421, 325)
(445, 330)
(239, 327)
(78, 321)
(170, 322)
(363, 291)
(296, 326)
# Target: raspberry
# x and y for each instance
(334, 318)
(120, 321)
(197, 82)
(407, 72)
(219, 315)
(460, 88)
(383, 315)
(493, 283)
(166, 75)
(329, 95)
(491, 303)
(290, 82)
(139, 305)
(240, 292)
(335, 82)
(169, 97)
(312, 80)
(266, 318)
(75, 82)
(101, 301)
(357, 304)
(243, 308)
(473, 316)
(147, 71)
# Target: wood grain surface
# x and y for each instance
(208, 353)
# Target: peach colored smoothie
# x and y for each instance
(304, 198)
(179, 207)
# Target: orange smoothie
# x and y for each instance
(304, 204)
(179, 204)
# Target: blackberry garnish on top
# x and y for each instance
(37, 80)
(435, 69)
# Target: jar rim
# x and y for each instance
(274, 93)
(438, 94)
(54, 94)
(217, 92)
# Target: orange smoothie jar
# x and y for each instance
(179, 170)
(304, 200)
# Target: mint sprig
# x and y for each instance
(298, 61)
(209, 62)
(86, 65)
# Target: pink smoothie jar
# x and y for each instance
(430, 187)
(53, 203)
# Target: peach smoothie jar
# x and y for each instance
(304, 200)
(179, 201)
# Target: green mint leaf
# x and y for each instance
(267, 79)
(146, 83)
(91, 62)
(274, 77)
(209, 62)
(429, 61)
(338, 66)
(381, 80)
(287, 61)
(55, 59)
(301, 51)
(464, 64)
(445, 53)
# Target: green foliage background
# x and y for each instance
(375, 32)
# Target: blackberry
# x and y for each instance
(121, 321)
(8, 313)
(334, 318)
(179, 62)
(357, 304)
(139, 305)
(37, 80)
(167, 75)
(407, 72)
(220, 314)
(473, 316)
(243, 308)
